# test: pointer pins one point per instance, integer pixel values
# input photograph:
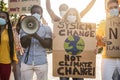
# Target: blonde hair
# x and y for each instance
(64, 18)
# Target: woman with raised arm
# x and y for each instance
(68, 15)
(63, 9)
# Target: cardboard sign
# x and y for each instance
(21, 6)
(74, 50)
(113, 37)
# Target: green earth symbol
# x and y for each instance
(74, 45)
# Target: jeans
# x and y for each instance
(116, 75)
(65, 78)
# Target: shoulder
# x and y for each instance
(102, 24)
(46, 27)
(101, 27)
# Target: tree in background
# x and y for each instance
(14, 18)
(3, 6)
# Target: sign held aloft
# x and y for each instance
(113, 37)
(21, 6)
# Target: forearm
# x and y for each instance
(48, 6)
(25, 41)
(53, 16)
(46, 43)
(89, 6)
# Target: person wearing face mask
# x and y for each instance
(34, 59)
(16, 68)
(63, 9)
(7, 48)
(113, 11)
(109, 64)
(71, 16)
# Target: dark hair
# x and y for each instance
(36, 6)
(10, 35)
(18, 26)
(112, 1)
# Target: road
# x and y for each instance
(50, 77)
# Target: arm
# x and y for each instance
(25, 41)
(89, 6)
(53, 16)
(46, 42)
(100, 33)
(44, 21)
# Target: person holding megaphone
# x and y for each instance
(34, 58)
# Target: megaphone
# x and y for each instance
(30, 24)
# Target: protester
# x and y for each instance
(109, 64)
(18, 25)
(7, 49)
(63, 9)
(16, 69)
(35, 57)
(71, 16)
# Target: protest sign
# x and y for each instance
(74, 50)
(113, 37)
(21, 6)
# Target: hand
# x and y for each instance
(14, 66)
(21, 51)
(35, 35)
(28, 36)
(53, 35)
(96, 50)
(100, 41)
(104, 40)
(100, 49)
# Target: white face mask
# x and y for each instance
(114, 12)
(62, 13)
(37, 16)
(71, 18)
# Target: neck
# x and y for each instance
(2, 28)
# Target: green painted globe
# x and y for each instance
(74, 45)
